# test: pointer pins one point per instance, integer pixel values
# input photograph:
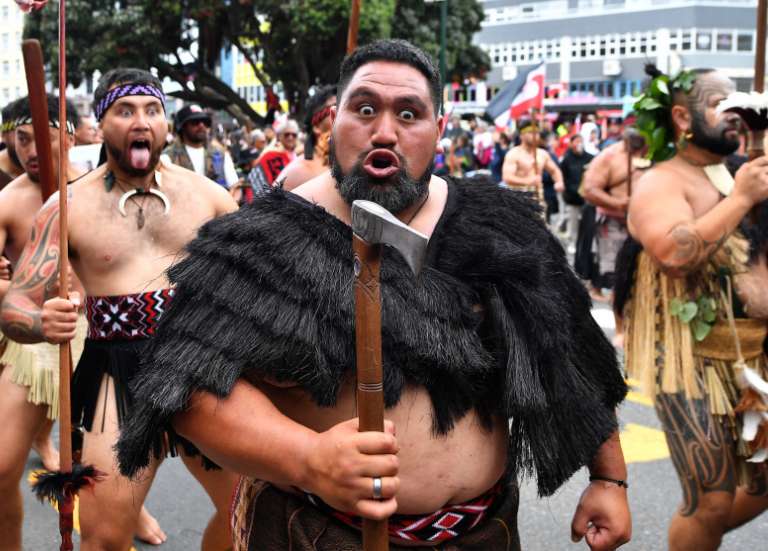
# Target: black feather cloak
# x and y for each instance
(497, 321)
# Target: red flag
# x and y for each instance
(517, 98)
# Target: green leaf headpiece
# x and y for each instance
(653, 109)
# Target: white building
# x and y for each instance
(13, 82)
(595, 49)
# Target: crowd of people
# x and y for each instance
(211, 312)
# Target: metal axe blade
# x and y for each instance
(376, 225)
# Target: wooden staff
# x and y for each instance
(354, 26)
(757, 131)
(38, 102)
(757, 135)
(65, 417)
(61, 486)
(628, 147)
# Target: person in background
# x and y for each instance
(500, 148)
(572, 166)
(317, 128)
(194, 150)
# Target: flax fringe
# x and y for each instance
(650, 325)
(36, 366)
(640, 357)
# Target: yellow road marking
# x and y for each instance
(636, 395)
(639, 398)
(641, 444)
(76, 515)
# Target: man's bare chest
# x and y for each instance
(142, 231)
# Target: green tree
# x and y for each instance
(419, 22)
(297, 43)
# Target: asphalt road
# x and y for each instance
(183, 509)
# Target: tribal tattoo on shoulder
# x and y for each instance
(691, 251)
(35, 279)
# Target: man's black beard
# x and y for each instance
(12, 155)
(402, 190)
(712, 139)
(125, 166)
(193, 138)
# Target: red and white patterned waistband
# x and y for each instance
(126, 317)
(444, 524)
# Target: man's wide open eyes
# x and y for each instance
(407, 114)
(365, 110)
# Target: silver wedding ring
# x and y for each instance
(376, 487)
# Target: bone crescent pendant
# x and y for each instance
(131, 192)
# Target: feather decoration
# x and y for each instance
(56, 486)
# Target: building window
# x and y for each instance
(685, 43)
(744, 42)
(704, 41)
(724, 42)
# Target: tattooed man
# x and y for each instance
(697, 312)
(525, 164)
(28, 373)
(128, 220)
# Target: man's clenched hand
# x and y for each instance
(602, 517)
(342, 464)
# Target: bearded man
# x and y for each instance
(29, 381)
(127, 221)
(496, 327)
(698, 307)
(194, 150)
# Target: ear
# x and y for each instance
(333, 114)
(441, 122)
(681, 118)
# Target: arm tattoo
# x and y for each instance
(691, 251)
(34, 281)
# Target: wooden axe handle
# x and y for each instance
(370, 379)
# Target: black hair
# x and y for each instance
(23, 109)
(314, 105)
(526, 123)
(9, 112)
(398, 51)
(123, 75)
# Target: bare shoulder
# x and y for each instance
(660, 180)
(316, 190)
(176, 177)
(85, 192)
(298, 172)
(18, 198)
(514, 153)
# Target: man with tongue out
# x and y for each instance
(128, 221)
(255, 360)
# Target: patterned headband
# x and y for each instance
(21, 121)
(320, 116)
(127, 90)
